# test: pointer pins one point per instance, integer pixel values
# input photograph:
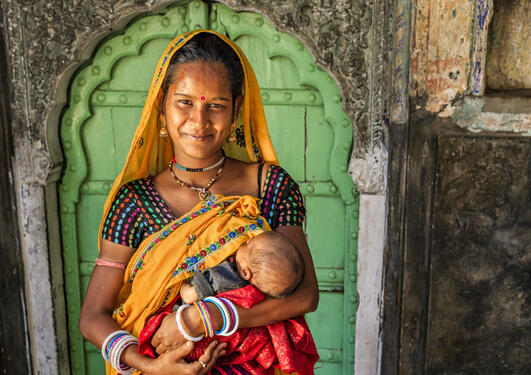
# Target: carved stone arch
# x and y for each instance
(88, 88)
(83, 53)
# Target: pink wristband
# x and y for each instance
(108, 263)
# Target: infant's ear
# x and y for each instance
(246, 274)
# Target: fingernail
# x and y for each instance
(189, 343)
(223, 352)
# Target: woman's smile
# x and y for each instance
(197, 137)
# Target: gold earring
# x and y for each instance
(232, 136)
(163, 130)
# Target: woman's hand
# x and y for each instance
(172, 362)
(167, 336)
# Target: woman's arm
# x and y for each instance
(96, 323)
(271, 310)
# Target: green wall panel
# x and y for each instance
(308, 127)
(326, 233)
(319, 140)
(286, 124)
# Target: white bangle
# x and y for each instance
(226, 316)
(234, 313)
(180, 324)
(117, 354)
(106, 342)
(118, 341)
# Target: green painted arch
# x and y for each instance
(88, 89)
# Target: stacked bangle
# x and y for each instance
(113, 347)
(224, 314)
(231, 319)
(235, 318)
(205, 317)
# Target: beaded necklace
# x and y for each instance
(186, 169)
(204, 194)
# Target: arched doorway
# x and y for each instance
(310, 131)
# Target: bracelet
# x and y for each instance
(113, 347)
(224, 314)
(117, 353)
(104, 351)
(108, 263)
(205, 316)
(235, 316)
(180, 325)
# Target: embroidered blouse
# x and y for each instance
(139, 211)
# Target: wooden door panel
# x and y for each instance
(458, 267)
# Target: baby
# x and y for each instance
(268, 261)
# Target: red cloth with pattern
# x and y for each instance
(287, 345)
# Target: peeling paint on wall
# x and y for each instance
(440, 60)
(482, 20)
(495, 114)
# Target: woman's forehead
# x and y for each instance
(198, 74)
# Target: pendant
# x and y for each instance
(204, 195)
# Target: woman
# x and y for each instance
(203, 93)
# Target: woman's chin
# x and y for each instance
(200, 153)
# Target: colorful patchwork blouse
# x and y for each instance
(138, 210)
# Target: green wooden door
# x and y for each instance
(311, 134)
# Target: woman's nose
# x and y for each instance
(199, 115)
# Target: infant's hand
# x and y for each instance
(188, 293)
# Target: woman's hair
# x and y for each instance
(209, 48)
(276, 264)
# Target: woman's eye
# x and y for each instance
(217, 106)
(185, 102)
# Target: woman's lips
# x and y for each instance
(198, 137)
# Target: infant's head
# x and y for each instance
(271, 263)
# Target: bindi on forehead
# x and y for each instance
(202, 98)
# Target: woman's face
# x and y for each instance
(198, 111)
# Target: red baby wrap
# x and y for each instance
(287, 345)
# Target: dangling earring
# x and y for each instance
(163, 130)
(232, 136)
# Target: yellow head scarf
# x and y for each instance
(149, 154)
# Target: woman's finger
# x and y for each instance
(181, 351)
(210, 356)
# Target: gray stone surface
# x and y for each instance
(371, 243)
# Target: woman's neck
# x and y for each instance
(198, 165)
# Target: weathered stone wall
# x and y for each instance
(450, 64)
(440, 57)
(509, 52)
(459, 195)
